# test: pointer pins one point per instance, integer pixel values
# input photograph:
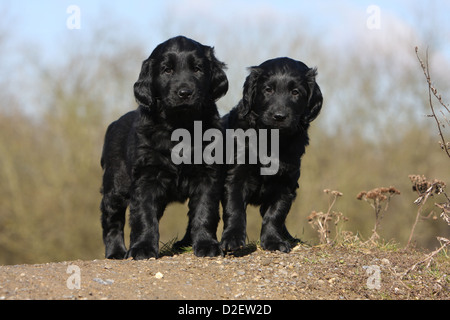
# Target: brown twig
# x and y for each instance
(432, 89)
(320, 220)
(425, 189)
(429, 257)
(419, 182)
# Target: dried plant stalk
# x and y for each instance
(426, 189)
(376, 198)
(432, 90)
(319, 221)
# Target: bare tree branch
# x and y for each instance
(432, 89)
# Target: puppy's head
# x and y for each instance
(180, 73)
(281, 93)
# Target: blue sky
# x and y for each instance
(339, 24)
(43, 22)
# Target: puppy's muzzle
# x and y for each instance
(185, 93)
(279, 117)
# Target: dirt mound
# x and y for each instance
(305, 273)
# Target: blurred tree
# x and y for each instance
(372, 131)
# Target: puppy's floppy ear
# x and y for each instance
(219, 80)
(142, 87)
(315, 98)
(249, 91)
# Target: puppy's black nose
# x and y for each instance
(185, 93)
(279, 116)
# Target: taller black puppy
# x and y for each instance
(279, 94)
(178, 84)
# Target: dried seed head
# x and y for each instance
(372, 194)
(312, 216)
(421, 185)
(377, 193)
(361, 195)
(394, 190)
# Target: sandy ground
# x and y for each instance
(305, 273)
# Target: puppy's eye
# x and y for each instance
(268, 90)
(167, 70)
(295, 92)
(197, 69)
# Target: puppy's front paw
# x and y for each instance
(232, 241)
(142, 252)
(273, 244)
(115, 252)
(207, 248)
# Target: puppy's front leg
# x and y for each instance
(234, 218)
(204, 218)
(147, 206)
(274, 213)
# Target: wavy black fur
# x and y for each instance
(178, 84)
(279, 94)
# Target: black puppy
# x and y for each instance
(178, 84)
(279, 94)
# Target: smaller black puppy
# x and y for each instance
(279, 94)
(178, 85)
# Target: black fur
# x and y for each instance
(279, 94)
(178, 84)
